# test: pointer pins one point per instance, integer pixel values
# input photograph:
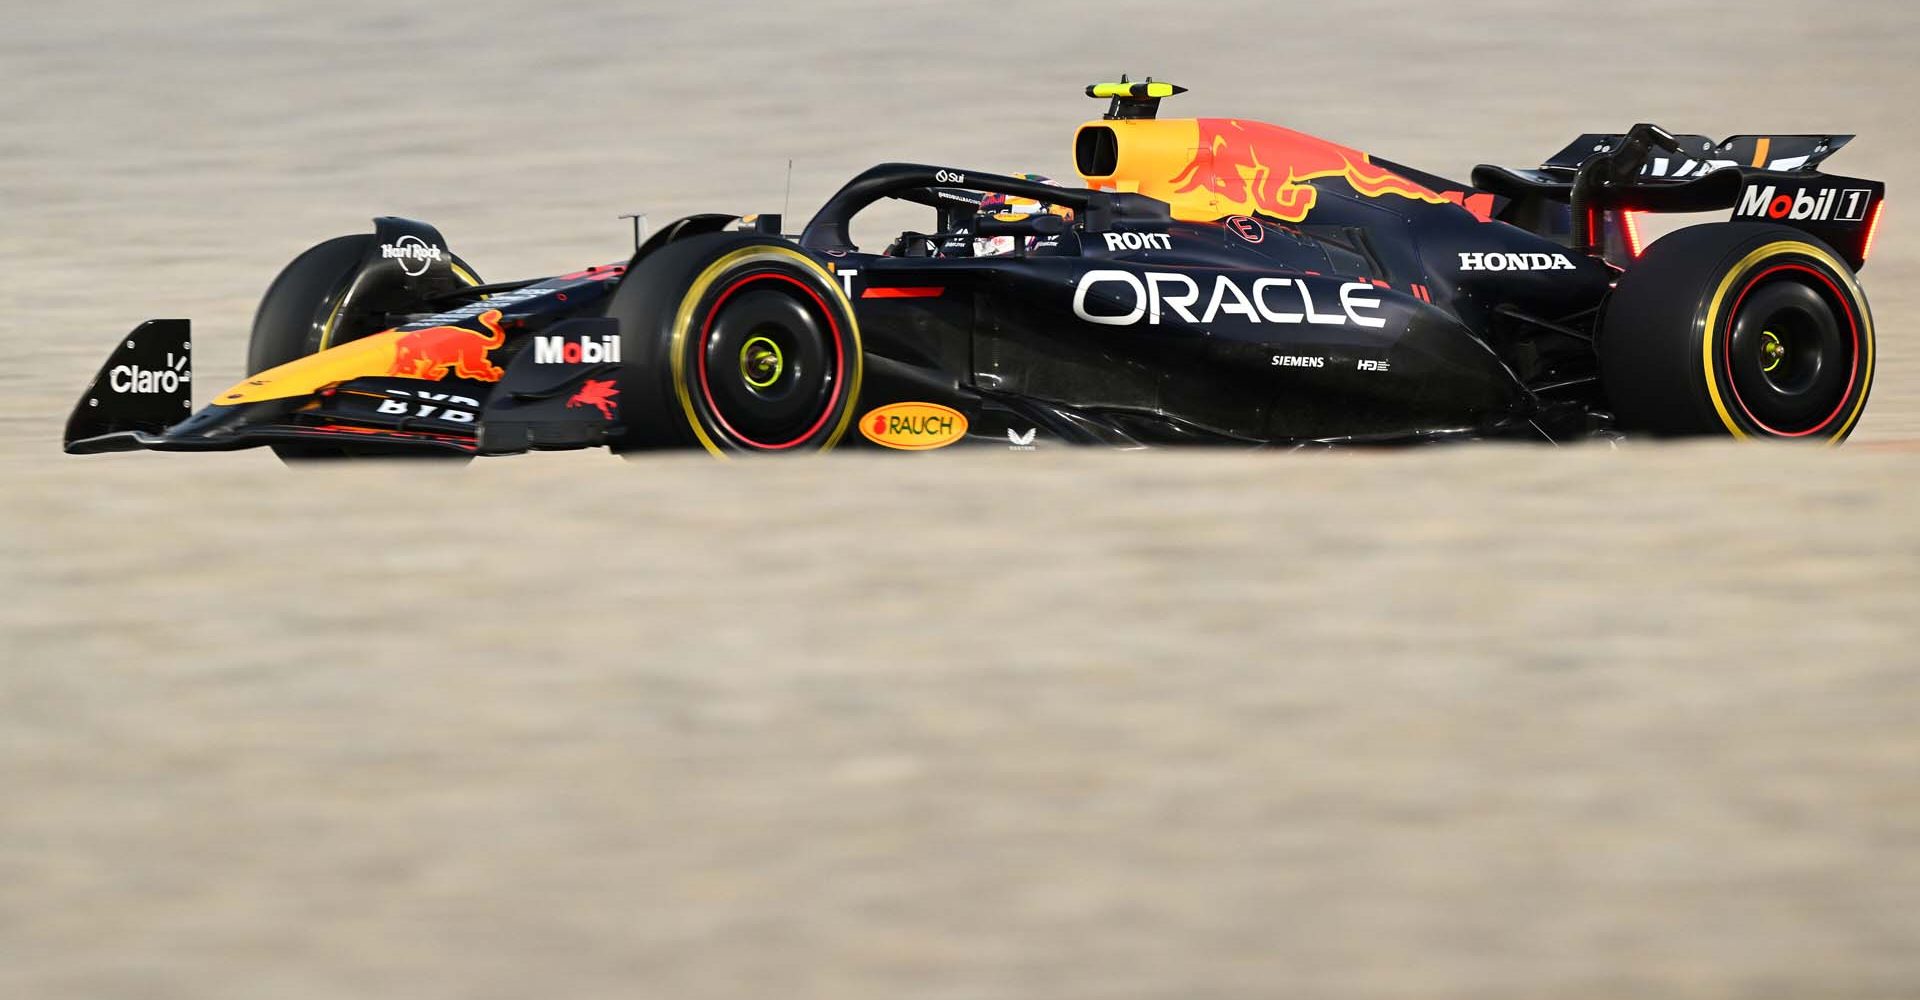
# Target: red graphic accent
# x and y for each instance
(606, 273)
(349, 429)
(1780, 207)
(1481, 205)
(903, 293)
(879, 422)
(1246, 229)
(1631, 220)
(1266, 167)
(1873, 229)
(1853, 370)
(430, 353)
(597, 393)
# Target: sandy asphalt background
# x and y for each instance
(1463, 723)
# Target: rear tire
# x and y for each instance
(1748, 330)
(739, 344)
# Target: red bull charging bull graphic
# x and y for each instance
(435, 351)
(1213, 168)
(1256, 167)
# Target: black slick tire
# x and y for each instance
(739, 344)
(1745, 330)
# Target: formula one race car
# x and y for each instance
(1215, 281)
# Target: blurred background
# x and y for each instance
(1459, 723)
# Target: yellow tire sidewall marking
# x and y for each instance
(1718, 302)
(683, 328)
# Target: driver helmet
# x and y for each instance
(994, 203)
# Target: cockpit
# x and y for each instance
(992, 224)
(979, 215)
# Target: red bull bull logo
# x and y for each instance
(435, 351)
(1246, 167)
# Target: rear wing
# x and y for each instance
(1766, 178)
(1700, 155)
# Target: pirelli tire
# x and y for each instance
(1746, 330)
(737, 344)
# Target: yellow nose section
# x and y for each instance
(372, 355)
(429, 354)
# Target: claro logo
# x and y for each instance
(1126, 298)
(914, 426)
(129, 379)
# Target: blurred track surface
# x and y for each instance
(1455, 723)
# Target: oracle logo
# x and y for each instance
(1150, 296)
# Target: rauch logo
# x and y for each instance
(914, 426)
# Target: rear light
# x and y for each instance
(1634, 245)
(1873, 229)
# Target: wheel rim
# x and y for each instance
(771, 362)
(1792, 351)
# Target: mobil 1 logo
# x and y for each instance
(1804, 204)
(576, 349)
(585, 341)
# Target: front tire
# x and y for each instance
(1747, 330)
(301, 306)
(740, 345)
(316, 302)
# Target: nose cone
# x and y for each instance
(372, 355)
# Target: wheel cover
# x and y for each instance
(1723, 310)
(795, 401)
(748, 389)
(1788, 361)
